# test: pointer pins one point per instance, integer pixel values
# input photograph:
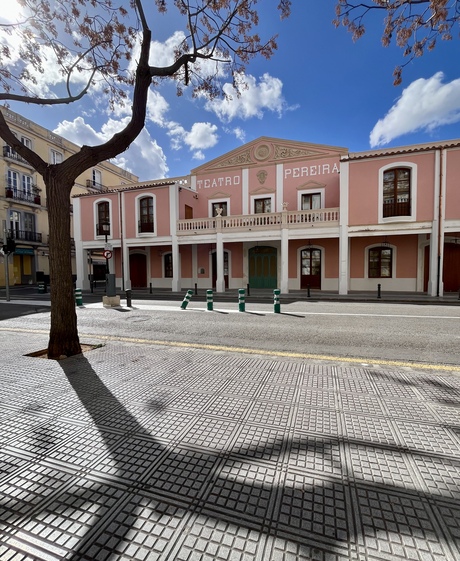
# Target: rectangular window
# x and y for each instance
(311, 201)
(219, 209)
(262, 205)
(97, 178)
(27, 184)
(29, 222)
(26, 141)
(13, 181)
(55, 157)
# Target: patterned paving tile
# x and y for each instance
(398, 527)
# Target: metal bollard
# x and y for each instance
(186, 299)
(150, 288)
(128, 298)
(308, 291)
(276, 301)
(241, 300)
(379, 293)
(209, 300)
(78, 297)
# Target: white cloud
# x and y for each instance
(144, 157)
(200, 137)
(253, 100)
(423, 105)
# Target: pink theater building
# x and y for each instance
(282, 214)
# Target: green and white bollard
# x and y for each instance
(276, 301)
(186, 299)
(209, 301)
(241, 300)
(78, 297)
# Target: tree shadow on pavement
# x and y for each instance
(142, 492)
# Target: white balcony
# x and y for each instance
(296, 219)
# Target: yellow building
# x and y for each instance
(23, 208)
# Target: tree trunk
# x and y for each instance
(63, 339)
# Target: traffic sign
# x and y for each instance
(107, 254)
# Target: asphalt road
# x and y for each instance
(325, 330)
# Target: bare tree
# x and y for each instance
(415, 25)
(105, 45)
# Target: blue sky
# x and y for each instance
(319, 87)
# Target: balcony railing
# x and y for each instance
(8, 152)
(268, 221)
(145, 226)
(90, 184)
(396, 209)
(23, 196)
(24, 236)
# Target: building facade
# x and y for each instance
(282, 214)
(23, 205)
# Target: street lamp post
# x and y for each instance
(105, 226)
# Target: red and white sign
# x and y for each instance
(107, 254)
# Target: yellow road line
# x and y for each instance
(263, 352)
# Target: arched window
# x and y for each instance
(397, 192)
(146, 222)
(103, 218)
(380, 262)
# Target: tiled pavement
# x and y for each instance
(140, 452)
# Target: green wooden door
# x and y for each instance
(263, 267)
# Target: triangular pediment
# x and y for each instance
(267, 150)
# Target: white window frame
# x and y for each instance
(138, 215)
(393, 261)
(413, 192)
(311, 191)
(14, 173)
(27, 189)
(218, 200)
(26, 141)
(96, 219)
(270, 196)
(56, 157)
(96, 177)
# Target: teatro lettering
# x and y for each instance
(309, 171)
(226, 181)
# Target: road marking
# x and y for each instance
(263, 352)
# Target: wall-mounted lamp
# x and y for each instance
(195, 196)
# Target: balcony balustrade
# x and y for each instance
(24, 236)
(90, 184)
(23, 196)
(145, 226)
(11, 154)
(323, 217)
(400, 208)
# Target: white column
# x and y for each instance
(344, 254)
(279, 188)
(81, 257)
(284, 280)
(437, 229)
(220, 281)
(173, 217)
(245, 191)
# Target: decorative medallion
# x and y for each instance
(262, 152)
(262, 176)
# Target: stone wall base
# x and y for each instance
(110, 301)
